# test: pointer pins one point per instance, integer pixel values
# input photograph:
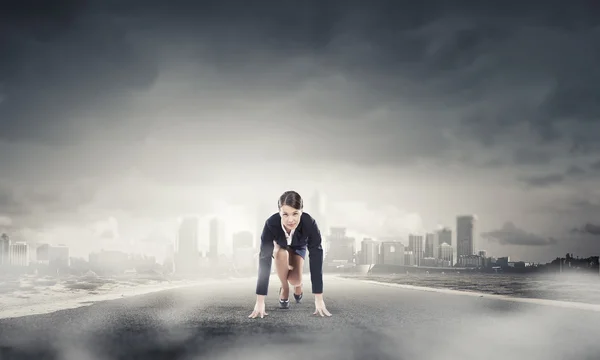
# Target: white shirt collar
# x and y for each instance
(288, 237)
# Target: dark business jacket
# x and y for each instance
(307, 234)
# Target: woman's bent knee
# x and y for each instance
(295, 282)
(295, 279)
(282, 254)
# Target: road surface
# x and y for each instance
(369, 321)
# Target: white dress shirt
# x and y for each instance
(288, 237)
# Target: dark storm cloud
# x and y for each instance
(9, 205)
(585, 207)
(509, 234)
(524, 156)
(55, 198)
(575, 170)
(492, 67)
(572, 172)
(544, 180)
(587, 229)
(51, 200)
(62, 63)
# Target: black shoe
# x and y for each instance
(298, 297)
(283, 303)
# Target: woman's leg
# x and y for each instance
(281, 256)
(295, 275)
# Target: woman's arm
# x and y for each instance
(265, 261)
(315, 255)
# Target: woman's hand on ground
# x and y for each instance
(259, 308)
(320, 308)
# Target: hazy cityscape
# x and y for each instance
(196, 255)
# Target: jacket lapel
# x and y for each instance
(297, 235)
(281, 237)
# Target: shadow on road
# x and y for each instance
(211, 336)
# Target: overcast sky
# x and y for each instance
(118, 117)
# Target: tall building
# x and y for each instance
(187, 239)
(392, 253)
(415, 244)
(369, 251)
(42, 253)
(447, 254)
(19, 254)
(187, 257)
(216, 237)
(431, 245)
(465, 235)
(443, 236)
(4, 250)
(409, 258)
(341, 247)
(58, 256)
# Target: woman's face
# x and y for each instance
(290, 217)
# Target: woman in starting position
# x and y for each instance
(286, 237)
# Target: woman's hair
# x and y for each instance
(291, 198)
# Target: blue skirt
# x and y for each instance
(301, 251)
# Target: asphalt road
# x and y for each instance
(369, 322)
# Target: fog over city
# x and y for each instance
(117, 121)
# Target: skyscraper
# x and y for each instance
(415, 244)
(19, 254)
(447, 254)
(4, 249)
(443, 236)
(187, 256)
(392, 253)
(187, 239)
(431, 245)
(465, 235)
(216, 237)
(369, 251)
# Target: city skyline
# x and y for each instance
(115, 121)
(204, 242)
(401, 227)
